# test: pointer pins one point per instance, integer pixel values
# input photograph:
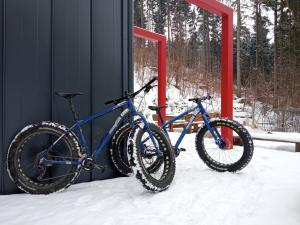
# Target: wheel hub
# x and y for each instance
(88, 164)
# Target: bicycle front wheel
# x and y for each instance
(119, 156)
(142, 154)
(24, 154)
(234, 156)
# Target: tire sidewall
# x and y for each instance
(25, 132)
(115, 154)
(243, 134)
(135, 158)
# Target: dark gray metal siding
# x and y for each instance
(61, 45)
(2, 152)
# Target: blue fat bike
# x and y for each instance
(47, 157)
(218, 152)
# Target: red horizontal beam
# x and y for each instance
(161, 41)
(145, 34)
(212, 6)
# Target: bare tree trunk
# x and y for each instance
(257, 32)
(238, 55)
(206, 44)
(258, 62)
(169, 23)
(280, 74)
(275, 50)
(170, 39)
(253, 113)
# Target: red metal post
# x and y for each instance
(227, 74)
(226, 13)
(162, 77)
(161, 64)
(227, 67)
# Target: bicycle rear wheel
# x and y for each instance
(235, 155)
(24, 155)
(142, 154)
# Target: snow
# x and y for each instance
(284, 137)
(265, 192)
(280, 136)
(177, 103)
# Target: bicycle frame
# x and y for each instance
(196, 111)
(129, 109)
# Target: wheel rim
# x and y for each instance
(153, 164)
(223, 157)
(28, 157)
(121, 145)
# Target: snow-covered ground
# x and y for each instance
(265, 192)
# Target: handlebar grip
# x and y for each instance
(192, 99)
(115, 101)
(208, 97)
(151, 81)
(143, 88)
(109, 102)
(147, 89)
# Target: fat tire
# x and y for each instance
(23, 182)
(136, 162)
(244, 136)
(116, 152)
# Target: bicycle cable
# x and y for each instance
(142, 99)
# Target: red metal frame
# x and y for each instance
(162, 63)
(226, 13)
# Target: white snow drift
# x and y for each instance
(265, 192)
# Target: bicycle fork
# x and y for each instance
(151, 137)
(214, 131)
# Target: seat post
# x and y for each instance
(72, 107)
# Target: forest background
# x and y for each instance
(266, 51)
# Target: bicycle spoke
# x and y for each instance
(222, 156)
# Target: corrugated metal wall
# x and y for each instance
(61, 45)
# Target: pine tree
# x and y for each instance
(139, 16)
(215, 44)
(193, 42)
(179, 26)
(160, 16)
(263, 49)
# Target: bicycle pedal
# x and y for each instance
(182, 149)
(178, 150)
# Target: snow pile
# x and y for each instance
(279, 136)
(265, 192)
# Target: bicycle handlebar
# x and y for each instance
(146, 87)
(115, 101)
(207, 97)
